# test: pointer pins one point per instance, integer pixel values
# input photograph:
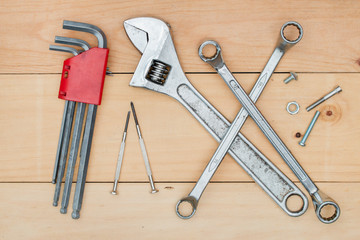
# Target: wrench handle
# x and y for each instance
(237, 123)
(261, 169)
(279, 145)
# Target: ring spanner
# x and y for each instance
(320, 200)
(159, 70)
(194, 196)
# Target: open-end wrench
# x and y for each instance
(65, 133)
(89, 123)
(194, 196)
(320, 200)
(159, 70)
(80, 112)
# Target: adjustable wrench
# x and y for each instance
(159, 70)
(320, 200)
(194, 196)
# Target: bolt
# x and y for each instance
(308, 130)
(293, 76)
(324, 98)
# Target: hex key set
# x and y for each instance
(159, 70)
(81, 87)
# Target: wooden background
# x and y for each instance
(233, 206)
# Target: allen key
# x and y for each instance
(88, 72)
(79, 119)
(65, 133)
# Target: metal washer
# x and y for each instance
(296, 109)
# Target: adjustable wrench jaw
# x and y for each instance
(152, 38)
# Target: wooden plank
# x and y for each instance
(178, 146)
(246, 31)
(244, 213)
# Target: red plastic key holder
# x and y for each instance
(83, 76)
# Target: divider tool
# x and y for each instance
(81, 87)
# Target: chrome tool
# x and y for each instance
(194, 196)
(159, 70)
(320, 200)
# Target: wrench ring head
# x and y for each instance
(193, 203)
(216, 60)
(301, 210)
(297, 108)
(330, 219)
(298, 26)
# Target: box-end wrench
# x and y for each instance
(159, 70)
(194, 196)
(320, 200)
(89, 123)
(65, 133)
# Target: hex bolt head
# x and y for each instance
(293, 76)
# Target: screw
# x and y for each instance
(326, 97)
(293, 76)
(308, 130)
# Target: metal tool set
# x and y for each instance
(159, 70)
(81, 87)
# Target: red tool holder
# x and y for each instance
(83, 76)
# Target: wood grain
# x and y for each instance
(226, 211)
(178, 146)
(246, 31)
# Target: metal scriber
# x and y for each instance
(143, 151)
(159, 70)
(194, 196)
(121, 155)
(320, 200)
